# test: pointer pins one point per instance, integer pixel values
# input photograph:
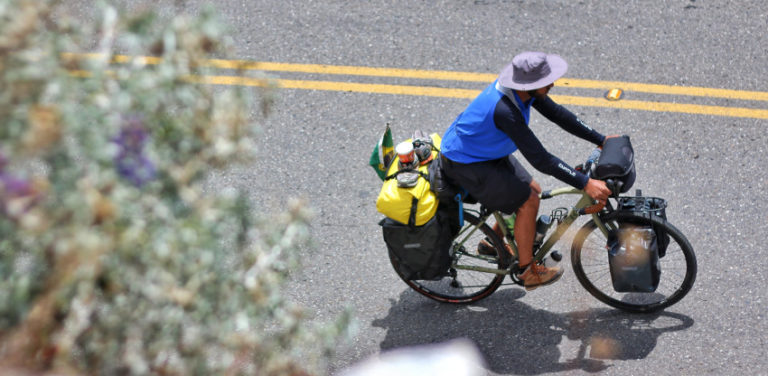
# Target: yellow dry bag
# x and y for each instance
(412, 206)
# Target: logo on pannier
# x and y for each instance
(412, 245)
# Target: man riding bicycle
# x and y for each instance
(477, 151)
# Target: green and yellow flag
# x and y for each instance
(383, 154)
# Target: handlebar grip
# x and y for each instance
(592, 209)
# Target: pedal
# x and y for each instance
(556, 255)
(514, 270)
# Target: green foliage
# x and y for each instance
(113, 257)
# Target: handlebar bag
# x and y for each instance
(617, 162)
(633, 258)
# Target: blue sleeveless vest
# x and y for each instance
(473, 136)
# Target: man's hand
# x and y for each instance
(606, 139)
(597, 190)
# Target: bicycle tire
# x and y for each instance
(589, 246)
(465, 286)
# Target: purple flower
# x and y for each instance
(15, 192)
(133, 134)
(130, 162)
(135, 168)
(14, 187)
(17, 195)
(11, 186)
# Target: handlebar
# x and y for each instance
(613, 185)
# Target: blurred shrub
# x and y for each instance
(113, 258)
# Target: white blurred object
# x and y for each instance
(454, 358)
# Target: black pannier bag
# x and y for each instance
(422, 252)
(649, 206)
(634, 259)
(617, 162)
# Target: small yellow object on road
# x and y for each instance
(613, 94)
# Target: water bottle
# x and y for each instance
(510, 222)
(542, 226)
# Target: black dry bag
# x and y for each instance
(617, 162)
(634, 258)
(420, 252)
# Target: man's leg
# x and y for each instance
(525, 226)
(525, 230)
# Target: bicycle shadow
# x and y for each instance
(516, 338)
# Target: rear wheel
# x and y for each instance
(589, 257)
(465, 282)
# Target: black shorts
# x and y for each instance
(501, 184)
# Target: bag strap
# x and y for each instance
(423, 175)
(412, 216)
(459, 198)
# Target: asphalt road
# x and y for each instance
(710, 167)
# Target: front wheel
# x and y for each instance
(470, 277)
(589, 257)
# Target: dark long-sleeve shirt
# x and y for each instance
(509, 119)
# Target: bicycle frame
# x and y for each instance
(562, 226)
(481, 262)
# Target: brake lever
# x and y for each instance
(614, 186)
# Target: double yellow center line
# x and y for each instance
(452, 76)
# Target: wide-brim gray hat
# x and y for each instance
(532, 70)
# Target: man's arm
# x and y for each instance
(567, 120)
(512, 124)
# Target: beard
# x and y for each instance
(538, 94)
